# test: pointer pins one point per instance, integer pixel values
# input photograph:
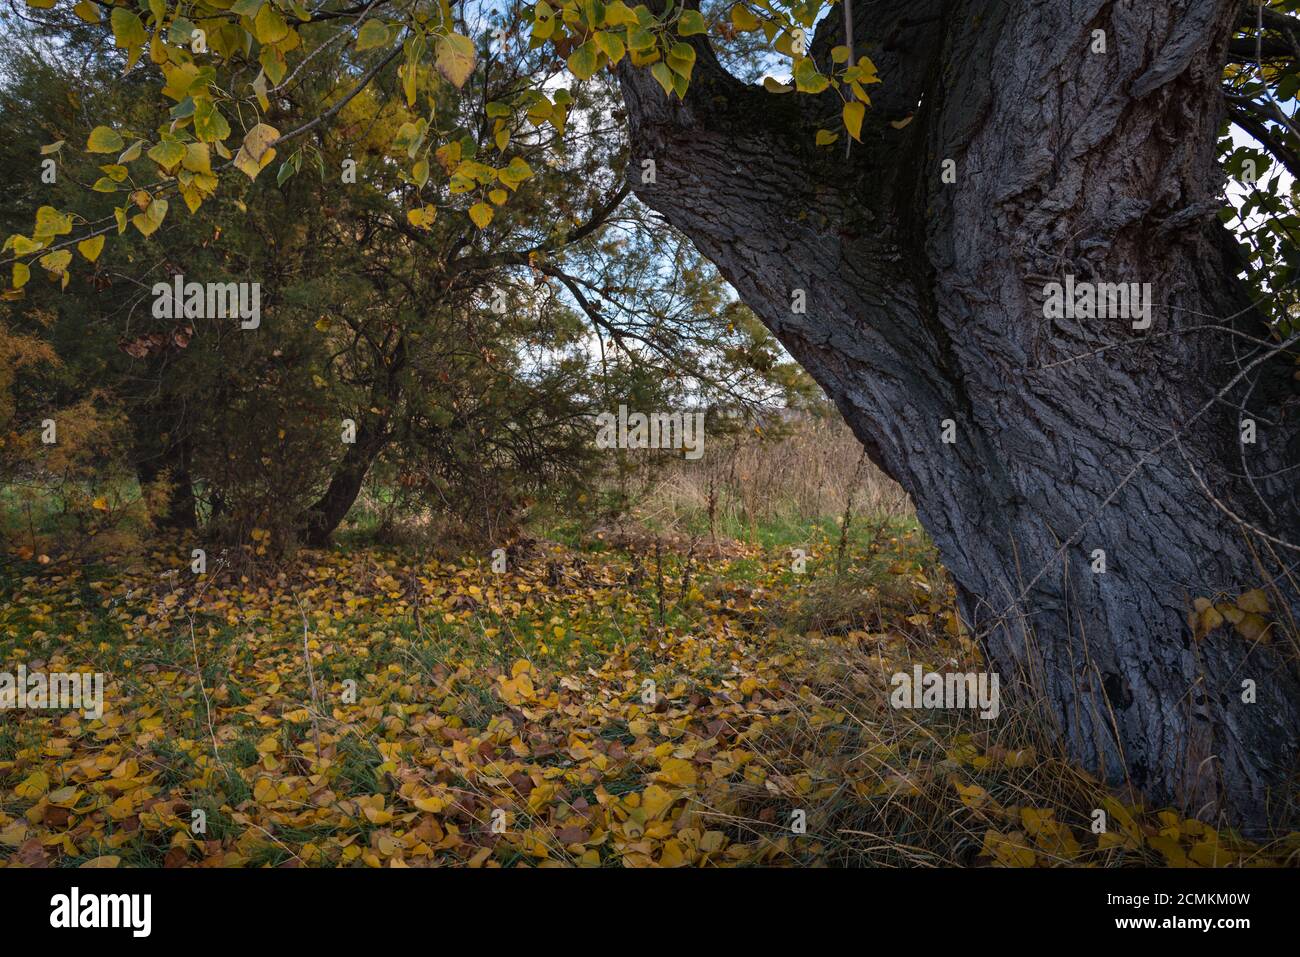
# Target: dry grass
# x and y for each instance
(744, 482)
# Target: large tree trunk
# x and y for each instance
(924, 305)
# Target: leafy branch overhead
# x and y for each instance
(227, 72)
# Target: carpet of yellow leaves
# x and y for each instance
(365, 709)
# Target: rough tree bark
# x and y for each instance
(924, 304)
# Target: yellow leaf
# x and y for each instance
(678, 772)
(1009, 850)
(36, 784)
(514, 174)
(14, 833)
(100, 504)
(742, 19)
(1254, 601)
(1171, 849)
(1209, 853)
(421, 218)
(268, 26)
(482, 214)
(57, 262)
(972, 795)
(91, 248)
(655, 801)
(1252, 627)
(853, 114)
(455, 58)
(65, 796)
(256, 151)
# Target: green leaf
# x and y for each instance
(515, 173)
(50, 222)
(104, 140)
(691, 23)
(584, 61)
(681, 58)
(168, 154)
(209, 124)
(611, 45)
(128, 34)
(149, 221)
(639, 39)
(373, 34)
(181, 32)
(664, 76)
(806, 77)
(131, 153)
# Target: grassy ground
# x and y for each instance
(591, 705)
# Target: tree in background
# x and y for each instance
(470, 386)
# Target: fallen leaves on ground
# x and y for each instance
(365, 709)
